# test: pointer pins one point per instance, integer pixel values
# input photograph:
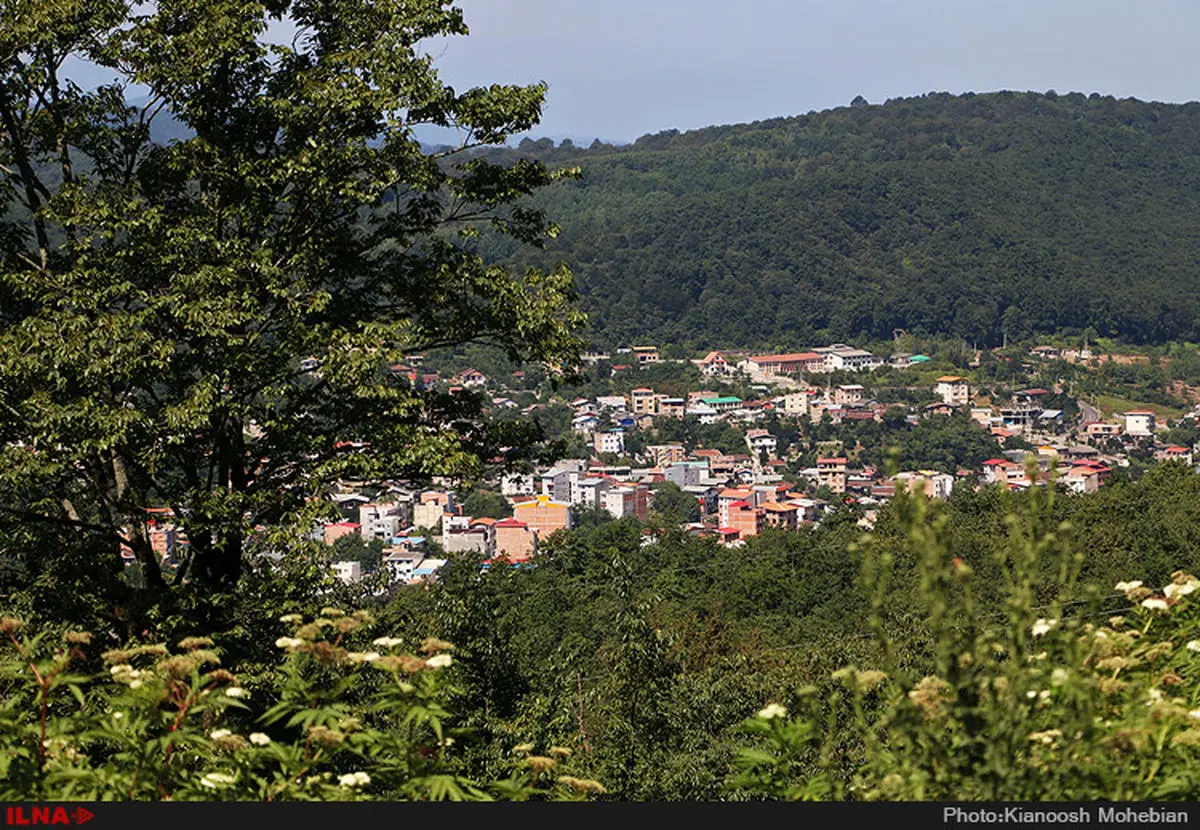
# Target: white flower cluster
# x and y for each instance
(259, 739)
(127, 674)
(289, 642)
(216, 780)
(439, 661)
(363, 656)
(387, 642)
(772, 711)
(354, 779)
(1043, 626)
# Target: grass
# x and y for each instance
(1113, 405)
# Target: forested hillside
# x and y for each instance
(973, 215)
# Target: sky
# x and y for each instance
(619, 69)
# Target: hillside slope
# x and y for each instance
(972, 215)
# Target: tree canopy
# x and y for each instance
(206, 325)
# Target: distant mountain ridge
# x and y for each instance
(973, 215)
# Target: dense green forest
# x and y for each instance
(972, 215)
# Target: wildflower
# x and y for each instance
(332, 612)
(560, 751)
(217, 734)
(540, 763)
(773, 710)
(1195, 713)
(1042, 626)
(216, 780)
(439, 661)
(288, 642)
(432, 645)
(1128, 586)
(523, 749)
(582, 785)
(295, 619)
(118, 715)
(930, 696)
(1193, 645)
(326, 736)
(308, 632)
(345, 625)
(1175, 590)
(387, 642)
(1059, 677)
(1155, 696)
(79, 638)
(1047, 737)
(1188, 737)
(136, 683)
(259, 739)
(10, 625)
(1155, 604)
(193, 643)
(236, 691)
(354, 779)
(363, 657)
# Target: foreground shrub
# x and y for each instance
(351, 716)
(1058, 699)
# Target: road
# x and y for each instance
(1089, 414)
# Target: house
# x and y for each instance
(671, 407)
(831, 473)
(1082, 479)
(937, 408)
(933, 484)
(849, 394)
(432, 506)
(1102, 430)
(1047, 352)
(589, 492)
(348, 572)
(1139, 422)
(544, 515)
(840, 357)
(703, 413)
(644, 401)
(517, 484)
(477, 538)
(775, 514)
(663, 454)
(727, 403)
(743, 517)
(953, 390)
(470, 378)
(556, 483)
(381, 521)
(645, 354)
(796, 403)
(729, 496)
(585, 422)
(714, 364)
(623, 502)
(609, 441)
(761, 441)
(772, 365)
(337, 530)
(1174, 453)
(612, 403)
(515, 541)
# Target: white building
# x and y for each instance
(381, 521)
(953, 390)
(839, 356)
(348, 572)
(518, 484)
(610, 441)
(1139, 422)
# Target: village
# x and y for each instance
(736, 494)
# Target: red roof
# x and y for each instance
(512, 523)
(996, 462)
(831, 461)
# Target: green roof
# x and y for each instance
(918, 358)
(729, 399)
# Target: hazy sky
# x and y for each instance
(618, 69)
(622, 68)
